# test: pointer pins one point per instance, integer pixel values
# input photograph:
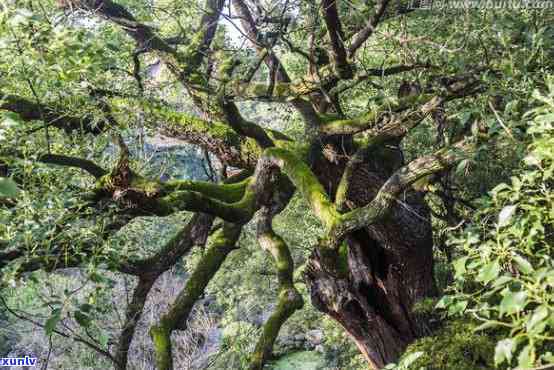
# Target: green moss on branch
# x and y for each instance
(222, 242)
(231, 202)
(288, 301)
(404, 177)
(305, 181)
(229, 193)
(373, 119)
(216, 137)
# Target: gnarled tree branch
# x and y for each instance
(289, 299)
(222, 242)
(31, 111)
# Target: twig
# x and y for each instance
(501, 122)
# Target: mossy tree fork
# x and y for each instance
(374, 260)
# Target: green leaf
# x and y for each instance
(503, 280)
(505, 215)
(523, 264)
(444, 302)
(462, 167)
(532, 160)
(82, 318)
(457, 308)
(460, 266)
(52, 321)
(410, 359)
(503, 351)
(85, 307)
(486, 325)
(500, 187)
(526, 358)
(10, 119)
(8, 188)
(537, 322)
(103, 339)
(489, 272)
(548, 357)
(422, 184)
(513, 302)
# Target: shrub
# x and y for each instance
(504, 274)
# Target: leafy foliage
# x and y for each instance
(455, 346)
(505, 272)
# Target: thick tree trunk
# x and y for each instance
(390, 265)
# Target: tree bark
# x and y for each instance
(132, 316)
(390, 263)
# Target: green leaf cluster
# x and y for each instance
(505, 271)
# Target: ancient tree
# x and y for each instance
(375, 258)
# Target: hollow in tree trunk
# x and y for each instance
(390, 265)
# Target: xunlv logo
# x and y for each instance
(18, 361)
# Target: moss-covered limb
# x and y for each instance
(161, 338)
(306, 182)
(395, 118)
(238, 212)
(258, 188)
(132, 316)
(143, 195)
(387, 115)
(218, 138)
(221, 243)
(32, 111)
(344, 184)
(234, 202)
(288, 301)
(400, 180)
(228, 193)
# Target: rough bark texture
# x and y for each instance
(390, 264)
(132, 316)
